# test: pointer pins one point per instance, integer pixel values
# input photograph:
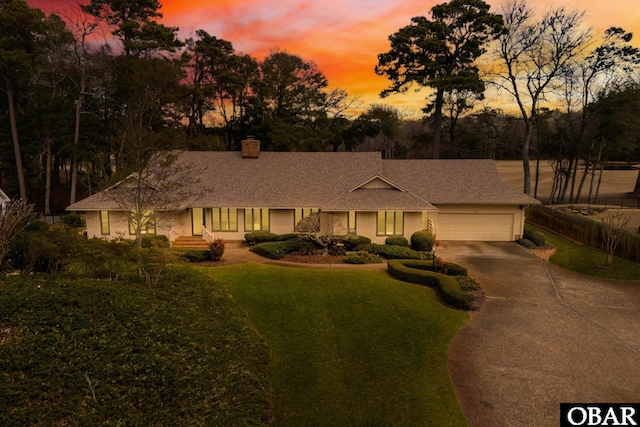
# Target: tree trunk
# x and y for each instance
(437, 126)
(76, 141)
(535, 191)
(47, 185)
(636, 190)
(593, 170)
(567, 180)
(526, 145)
(16, 141)
(587, 165)
(599, 180)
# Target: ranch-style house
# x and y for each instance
(251, 191)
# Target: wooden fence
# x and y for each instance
(585, 231)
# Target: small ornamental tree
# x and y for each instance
(319, 228)
(217, 249)
(613, 227)
(15, 216)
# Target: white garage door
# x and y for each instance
(475, 227)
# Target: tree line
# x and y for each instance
(79, 113)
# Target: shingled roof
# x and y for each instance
(331, 181)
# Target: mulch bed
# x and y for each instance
(314, 259)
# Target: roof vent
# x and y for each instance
(250, 148)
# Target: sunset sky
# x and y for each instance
(343, 37)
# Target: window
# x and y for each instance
(225, 219)
(390, 223)
(147, 223)
(352, 222)
(302, 213)
(104, 223)
(256, 219)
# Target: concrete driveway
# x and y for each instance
(544, 336)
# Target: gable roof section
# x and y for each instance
(378, 181)
(3, 196)
(335, 181)
(374, 199)
(467, 181)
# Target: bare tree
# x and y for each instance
(82, 28)
(614, 228)
(159, 184)
(534, 54)
(586, 78)
(15, 216)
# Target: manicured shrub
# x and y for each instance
(362, 257)
(446, 268)
(262, 237)
(352, 242)
(396, 241)
(195, 255)
(526, 243)
(277, 250)
(157, 241)
(452, 269)
(337, 250)
(467, 283)
(391, 252)
(535, 236)
(447, 286)
(73, 220)
(422, 241)
(216, 250)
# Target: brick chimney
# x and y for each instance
(250, 148)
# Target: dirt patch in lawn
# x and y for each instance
(544, 252)
(9, 332)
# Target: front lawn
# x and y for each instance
(98, 352)
(585, 260)
(350, 348)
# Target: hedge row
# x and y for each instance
(448, 286)
(534, 236)
(396, 241)
(262, 237)
(362, 257)
(277, 250)
(392, 251)
(447, 268)
(526, 243)
(193, 255)
(350, 242)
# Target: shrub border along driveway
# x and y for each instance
(545, 336)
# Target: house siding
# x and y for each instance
(412, 223)
(281, 221)
(366, 226)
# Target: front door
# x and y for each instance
(197, 221)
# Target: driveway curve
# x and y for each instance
(544, 336)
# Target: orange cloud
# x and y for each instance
(343, 37)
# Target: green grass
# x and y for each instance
(350, 348)
(585, 260)
(180, 354)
